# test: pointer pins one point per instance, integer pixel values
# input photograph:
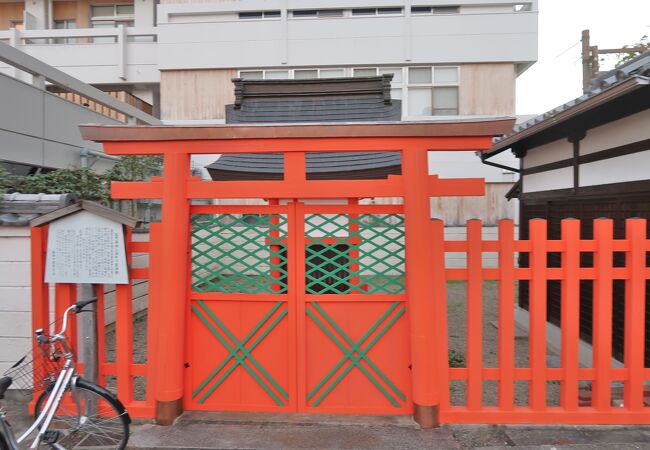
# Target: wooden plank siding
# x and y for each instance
(105, 110)
(196, 94)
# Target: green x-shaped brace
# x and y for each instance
(355, 354)
(239, 352)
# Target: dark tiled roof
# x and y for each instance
(17, 210)
(364, 99)
(634, 71)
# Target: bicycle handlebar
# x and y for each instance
(76, 308)
(82, 304)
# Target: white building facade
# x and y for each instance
(448, 60)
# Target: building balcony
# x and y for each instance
(95, 55)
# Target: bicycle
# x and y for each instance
(70, 412)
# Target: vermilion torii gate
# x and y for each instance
(319, 311)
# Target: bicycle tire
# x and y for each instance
(92, 433)
(3, 443)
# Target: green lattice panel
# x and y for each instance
(354, 254)
(231, 253)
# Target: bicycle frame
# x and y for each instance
(67, 377)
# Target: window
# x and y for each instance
(331, 73)
(433, 91)
(365, 72)
(65, 24)
(110, 16)
(289, 74)
(305, 73)
(252, 74)
(305, 13)
(317, 13)
(421, 9)
(276, 74)
(446, 9)
(450, 9)
(330, 13)
(253, 15)
(376, 11)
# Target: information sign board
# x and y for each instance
(86, 248)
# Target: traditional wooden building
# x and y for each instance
(587, 159)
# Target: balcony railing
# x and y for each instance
(89, 52)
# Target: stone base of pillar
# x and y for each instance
(426, 416)
(167, 412)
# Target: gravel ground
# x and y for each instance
(139, 352)
(456, 306)
(456, 311)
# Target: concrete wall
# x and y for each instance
(15, 295)
(218, 42)
(41, 129)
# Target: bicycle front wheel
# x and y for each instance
(88, 417)
(3, 443)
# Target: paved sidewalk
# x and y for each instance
(248, 431)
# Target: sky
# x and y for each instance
(556, 77)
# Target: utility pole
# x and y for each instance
(590, 63)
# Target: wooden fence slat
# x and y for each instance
(155, 259)
(506, 323)
(602, 314)
(66, 296)
(570, 314)
(124, 333)
(635, 314)
(40, 291)
(474, 311)
(101, 334)
(440, 303)
(537, 307)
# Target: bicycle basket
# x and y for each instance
(34, 372)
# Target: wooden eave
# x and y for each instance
(85, 205)
(461, 128)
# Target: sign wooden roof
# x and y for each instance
(85, 205)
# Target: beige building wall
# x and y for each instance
(10, 13)
(196, 94)
(487, 89)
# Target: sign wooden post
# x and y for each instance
(85, 246)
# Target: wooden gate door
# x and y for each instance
(353, 352)
(241, 333)
(298, 308)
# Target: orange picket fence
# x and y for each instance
(531, 404)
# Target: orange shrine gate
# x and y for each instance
(314, 302)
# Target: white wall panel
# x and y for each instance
(620, 132)
(15, 298)
(545, 181)
(548, 153)
(633, 167)
(455, 38)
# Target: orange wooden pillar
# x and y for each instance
(173, 269)
(419, 286)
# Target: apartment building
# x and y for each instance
(448, 59)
